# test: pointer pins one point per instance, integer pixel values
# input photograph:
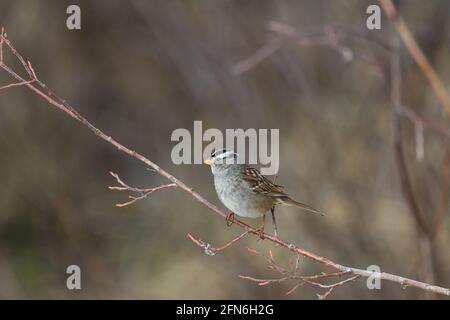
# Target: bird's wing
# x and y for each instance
(260, 184)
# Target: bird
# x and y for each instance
(245, 191)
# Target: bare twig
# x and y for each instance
(2, 36)
(209, 250)
(330, 36)
(423, 229)
(331, 287)
(261, 54)
(142, 192)
(43, 91)
(405, 182)
(283, 34)
(424, 122)
(16, 84)
(293, 274)
(417, 54)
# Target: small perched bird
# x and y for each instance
(245, 191)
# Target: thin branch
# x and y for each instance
(417, 54)
(335, 285)
(209, 250)
(258, 56)
(16, 54)
(43, 91)
(342, 31)
(405, 181)
(328, 36)
(142, 192)
(283, 34)
(293, 274)
(16, 84)
(423, 229)
(424, 122)
(2, 36)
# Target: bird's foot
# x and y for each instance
(229, 219)
(260, 232)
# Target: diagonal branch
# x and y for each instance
(329, 36)
(417, 54)
(43, 91)
(422, 227)
(405, 180)
(210, 250)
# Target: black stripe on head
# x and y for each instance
(221, 152)
(217, 152)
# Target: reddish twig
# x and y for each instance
(405, 180)
(261, 54)
(2, 36)
(43, 91)
(209, 250)
(16, 54)
(424, 241)
(417, 54)
(293, 274)
(16, 84)
(47, 94)
(331, 287)
(143, 192)
(420, 124)
(283, 34)
(329, 36)
(424, 122)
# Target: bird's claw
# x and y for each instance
(260, 233)
(230, 219)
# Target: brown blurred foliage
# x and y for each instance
(139, 70)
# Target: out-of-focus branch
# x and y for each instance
(417, 54)
(443, 199)
(330, 36)
(15, 84)
(258, 56)
(293, 273)
(423, 229)
(42, 90)
(283, 34)
(424, 122)
(406, 186)
(210, 250)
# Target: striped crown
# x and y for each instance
(221, 154)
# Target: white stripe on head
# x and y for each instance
(224, 154)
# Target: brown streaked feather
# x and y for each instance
(260, 184)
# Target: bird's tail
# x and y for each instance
(288, 201)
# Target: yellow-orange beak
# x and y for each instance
(209, 162)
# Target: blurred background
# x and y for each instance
(140, 69)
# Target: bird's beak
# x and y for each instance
(209, 162)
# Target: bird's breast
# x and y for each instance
(242, 201)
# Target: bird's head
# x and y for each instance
(221, 160)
